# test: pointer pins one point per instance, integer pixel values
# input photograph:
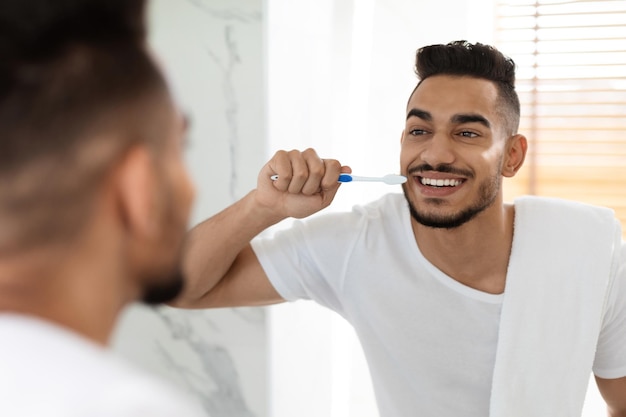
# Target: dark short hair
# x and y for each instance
(461, 58)
(70, 70)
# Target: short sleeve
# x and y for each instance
(610, 360)
(308, 260)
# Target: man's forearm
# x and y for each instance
(220, 267)
(213, 245)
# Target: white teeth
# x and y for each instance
(440, 182)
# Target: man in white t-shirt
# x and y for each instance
(94, 204)
(421, 276)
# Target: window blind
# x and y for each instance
(571, 79)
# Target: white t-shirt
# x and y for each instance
(430, 341)
(46, 370)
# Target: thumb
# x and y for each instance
(328, 194)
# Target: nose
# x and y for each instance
(439, 150)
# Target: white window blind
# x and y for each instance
(571, 78)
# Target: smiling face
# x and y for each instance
(454, 148)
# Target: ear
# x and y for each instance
(514, 155)
(136, 189)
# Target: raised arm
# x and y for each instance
(220, 266)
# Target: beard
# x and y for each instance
(487, 194)
(163, 282)
(164, 288)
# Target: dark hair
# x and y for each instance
(70, 71)
(477, 60)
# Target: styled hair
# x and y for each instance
(71, 73)
(461, 58)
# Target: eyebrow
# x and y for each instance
(422, 114)
(456, 119)
(470, 118)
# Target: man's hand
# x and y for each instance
(306, 183)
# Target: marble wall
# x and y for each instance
(212, 52)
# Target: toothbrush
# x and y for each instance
(390, 179)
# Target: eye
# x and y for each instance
(468, 134)
(417, 132)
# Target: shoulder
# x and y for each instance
(568, 218)
(342, 227)
(74, 377)
(547, 205)
(325, 232)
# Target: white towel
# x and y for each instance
(562, 257)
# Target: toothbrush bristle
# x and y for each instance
(395, 179)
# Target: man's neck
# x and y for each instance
(62, 288)
(475, 254)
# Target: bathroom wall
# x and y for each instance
(212, 52)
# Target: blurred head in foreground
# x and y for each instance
(94, 195)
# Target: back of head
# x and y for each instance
(71, 73)
(39, 29)
(464, 59)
